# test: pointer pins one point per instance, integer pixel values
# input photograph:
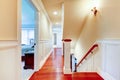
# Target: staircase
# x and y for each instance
(53, 70)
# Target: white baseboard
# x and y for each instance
(67, 70)
(44, 60)
(105, 75)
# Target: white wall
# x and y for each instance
(110, 50)
(57, 33)
(45, 49)
(105, 60)
(10, 68)
(44, 35)
(59, 40)
(44, 39)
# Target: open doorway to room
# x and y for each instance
(28, 38)
(57, 36)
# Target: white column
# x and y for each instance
(67, 48)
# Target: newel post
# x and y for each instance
(66, 53)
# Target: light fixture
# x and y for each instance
(94, 10)
(55, 12)
(56, 23)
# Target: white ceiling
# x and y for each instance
(51, 6)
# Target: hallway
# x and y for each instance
(53, 70)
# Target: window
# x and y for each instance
(28, 36)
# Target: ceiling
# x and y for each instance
(75, 16)
(72, 16)
(51, 6)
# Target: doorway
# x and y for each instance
(57, 36)
(28, 38)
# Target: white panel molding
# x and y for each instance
(101, 60)
(105, 75)
(10, 60)
(8, 43)
(45, 59)
(45, 49)
(110, 48)
(109, 41)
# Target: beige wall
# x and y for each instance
(8, 20)
(80, 25)
(110, 20)
(44, 27)
(72, 20)
(105, 25)
(44, 23)
(87, 37)
(10, 57)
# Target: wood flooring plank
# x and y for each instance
(53, 70)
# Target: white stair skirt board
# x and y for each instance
(105, 75)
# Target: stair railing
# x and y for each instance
(88, 53)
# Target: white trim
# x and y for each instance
(44, 60)
(105, 42)
(110, 41)
(8, 43)
(19, 22)
(35, 4)
(44, 41)
(67, 70)
(40, 7)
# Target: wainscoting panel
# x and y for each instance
(44, 50)
(9, 61)
(105, 61)
(110, 55)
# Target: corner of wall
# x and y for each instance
(45, 59)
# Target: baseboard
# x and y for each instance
(105, 75)
(44, 60)
(67, 71)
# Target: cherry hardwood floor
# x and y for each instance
(53, 70)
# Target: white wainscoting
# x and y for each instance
(10, 68)
(105, 61)
(110, 69)
(44, 50)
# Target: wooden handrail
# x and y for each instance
(90, 50)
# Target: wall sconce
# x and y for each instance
(94, 10)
